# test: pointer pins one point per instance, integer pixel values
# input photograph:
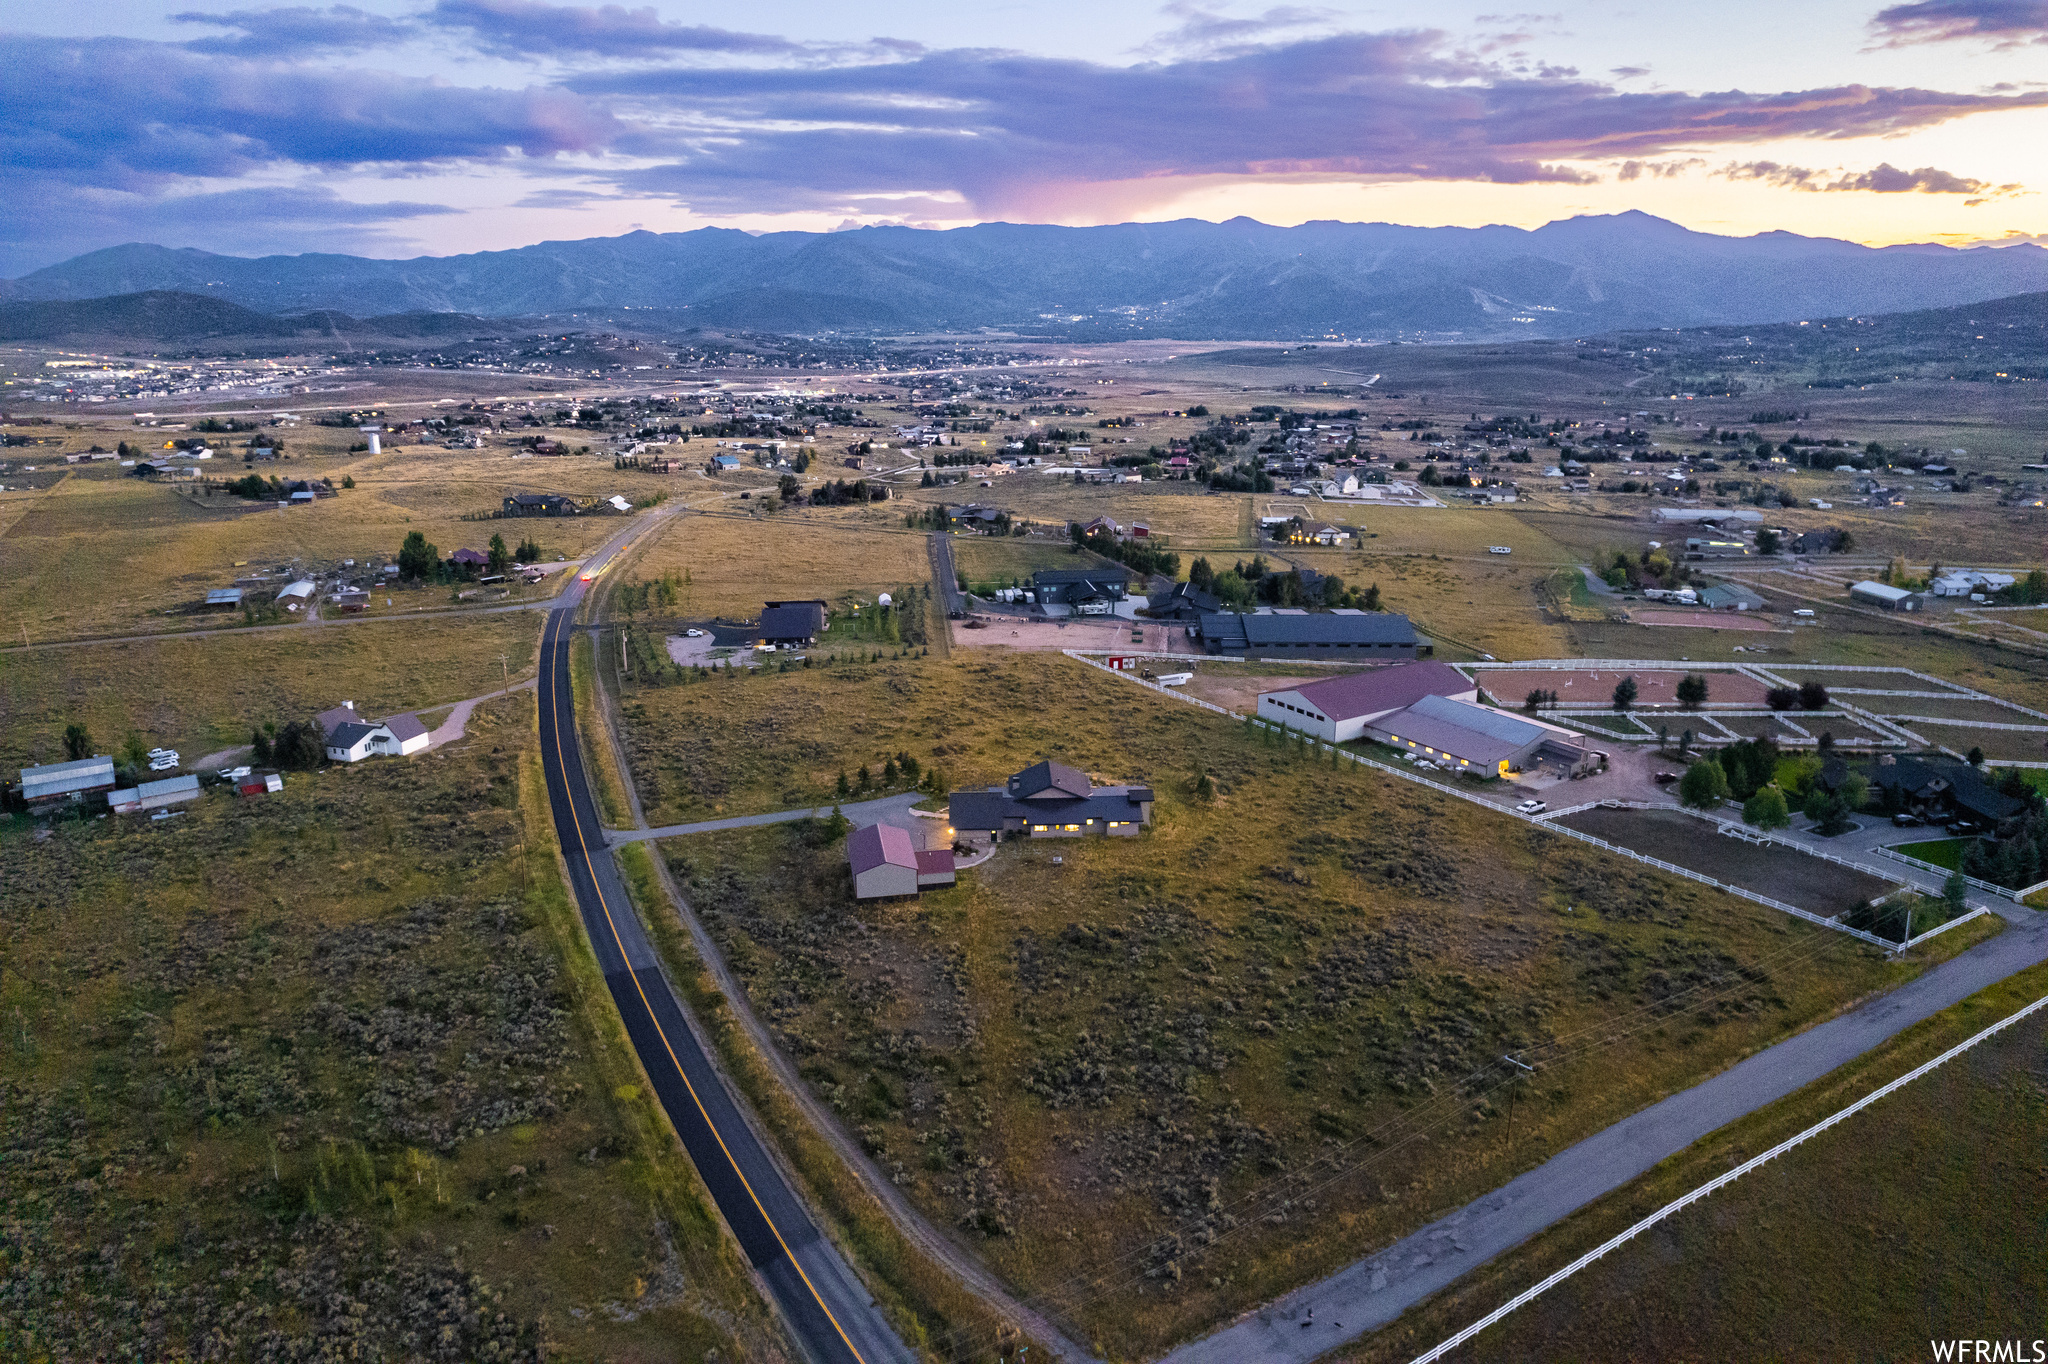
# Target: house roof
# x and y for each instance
(1183, 595)
(792, 620)
(405, 727)
(302, 588)
(988, 809)
(224, 596)
(169, 786)
(1312, 627)
(470, 556)
(60, 778)
(1881, 590)
(334, 717)
(935, 861)
(1969, 790)
(351, 734)
(1050, 781)
(880, 845)
(1382, 689)
(1058, 577)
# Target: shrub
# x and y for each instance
(1766, 809)
(1704, 785)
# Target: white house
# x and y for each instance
(356, 740)
(408, 733)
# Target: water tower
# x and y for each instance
(370, 434)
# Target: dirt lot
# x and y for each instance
(1005, 632)
(1705, 620)
(1767, 869)
(1509, 685)
(1240, 693)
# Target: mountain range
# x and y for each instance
(1185, 279)
(166, 315)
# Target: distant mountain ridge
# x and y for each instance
(173, 316)
(1188, 279)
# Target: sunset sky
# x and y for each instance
(398, 129)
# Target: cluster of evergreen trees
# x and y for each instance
(1244, 585)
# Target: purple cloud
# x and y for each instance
(1009, 135)
(526, 28)
(297, 31)
(1883, 178)
(2008, 23)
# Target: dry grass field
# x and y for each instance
(336, 1066)
(1911, 1221)
(1160, 1037)
(735, 561)
(102, 553)
(1195, 520)
(198, 695)
(1005, 560)
(1469, 607)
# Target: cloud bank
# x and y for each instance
(107, 132)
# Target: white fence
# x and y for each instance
(1537, 820)
(1718, 1182)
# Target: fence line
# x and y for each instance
(1721, 1181)
(1973, 724)
(1498, 809)
(1945, 872)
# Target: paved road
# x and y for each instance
(887, 810)
(1372, 1292)
(824, 1305)
(942, 569)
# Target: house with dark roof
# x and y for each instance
(539, 504)
(1052, 800)
(1337, 636)
(792, 622)
(1080, 587)
(469, 558)
(354, 740)
(1940, 791)
(885, 862)
(1183, 601)
(1337, 709)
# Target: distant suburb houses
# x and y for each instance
(1431, 712)
(1052, 800)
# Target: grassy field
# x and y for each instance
(1912, 1221)
(1469, 606)
(336, 1065)
(734, 562)
(1005, 561)
(104, 554)
(1942, 852)
(1196, 520)
(1165, 1037)
(198, 695)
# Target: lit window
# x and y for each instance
(1038, 828)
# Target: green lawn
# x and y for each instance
(1942, 852)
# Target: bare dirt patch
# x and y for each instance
(1015, 632)
(1240, 693)
(1766, 868)
(1705, 620)
(1654, 687)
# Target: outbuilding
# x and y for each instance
(155, 795)
(42, 787)
(1480, 740)
(1884, 595)
(883, 860)
(1337, 709)
(1345, 636)
(792, 622)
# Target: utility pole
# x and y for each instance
(1511, 1098)
(505, 667)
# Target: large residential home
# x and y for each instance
(886, 863)
(1080, 588)
(792, 622)
(1184, 601)
(539, 504)
(1052, 800)
(1346, 636)
(354, 740)
(1337, 709)
(1940, 791)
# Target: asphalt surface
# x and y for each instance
(887, 810)
(942, 569)
(823, 1304)
(1368, 1294)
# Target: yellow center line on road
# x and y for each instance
(674, 1060)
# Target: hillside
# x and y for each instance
(1238, 279)
(172, 316)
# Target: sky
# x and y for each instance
(428, 127)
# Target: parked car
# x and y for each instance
(693, 633)
(1530, 807)
(1905, 821)
(1500, 549)
(163, 753)
(1802, 611)
(233, 773)
(163, 764)
(1665, 778)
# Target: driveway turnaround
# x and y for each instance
(822, 1303)
(1366, 1295)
